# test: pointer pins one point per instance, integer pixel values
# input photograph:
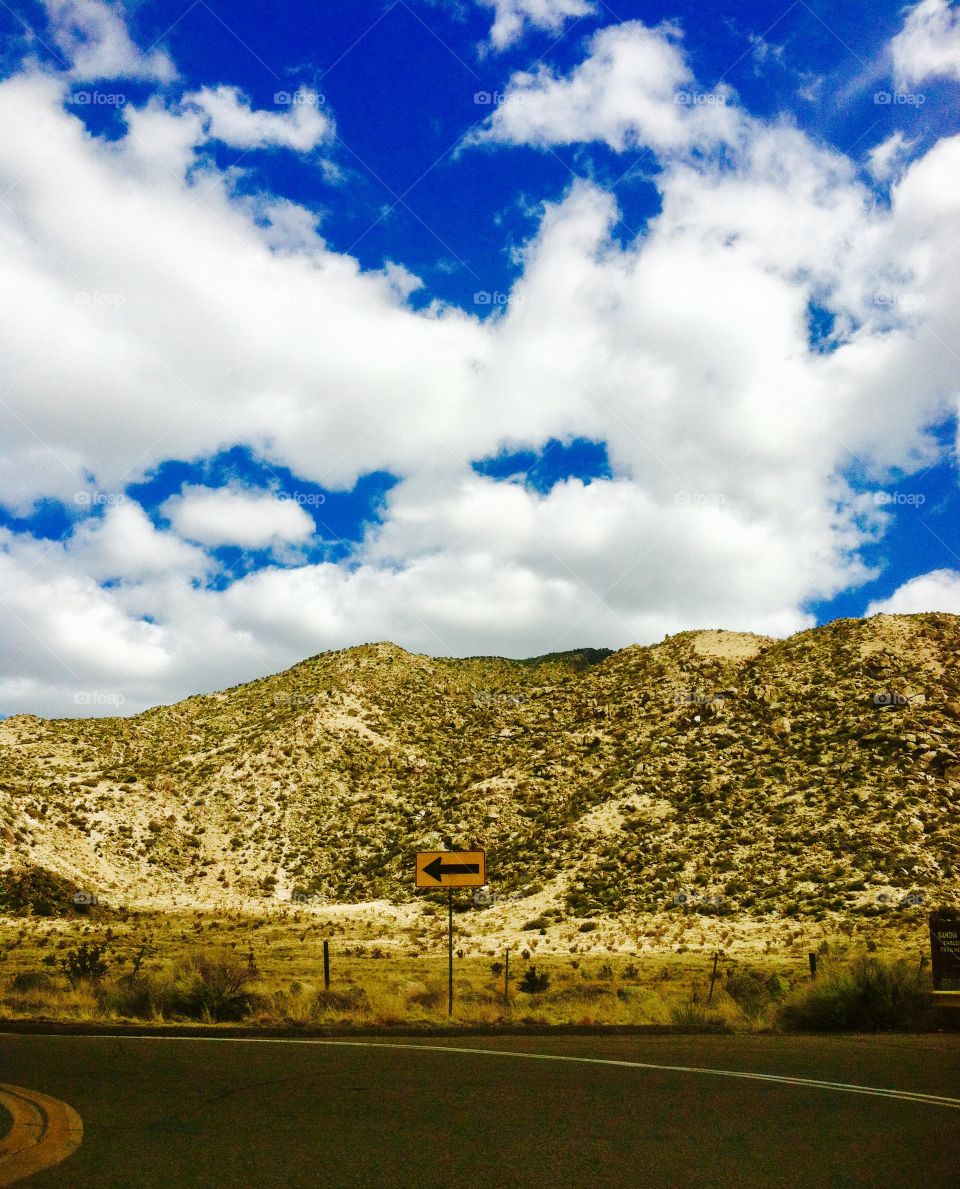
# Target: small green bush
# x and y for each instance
(869, 996)
(210, 990)
(534, 981)
(432, 998)
(140, 996)
(86, 963)
(753, 991)
(31, 980)
(352, 999)
(581, 994)
(693, 1015)
(35, 891)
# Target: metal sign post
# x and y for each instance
(450, 869)
(449, 951)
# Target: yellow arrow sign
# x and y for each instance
(451, 869)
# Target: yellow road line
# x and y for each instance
(26, 1127)
(44, 1132)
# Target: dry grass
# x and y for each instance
(162, 968)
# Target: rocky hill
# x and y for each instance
(749, 776)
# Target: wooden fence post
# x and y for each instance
(506, 978)
(713, 976)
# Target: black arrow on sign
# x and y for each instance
(438, 869)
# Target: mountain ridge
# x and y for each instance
(751, 775)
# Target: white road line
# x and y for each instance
(780, 1079)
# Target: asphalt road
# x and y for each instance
(167, 1113)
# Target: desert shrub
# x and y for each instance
(588, 926)
(693, 1015)
(644, 997)
(85, 963)
(580, 994)
(536, 923)
(31, 980)
(471, 996)
(534, 981)
(211, 990)
(868, 996)
(349, 1000)
(777, 986)
(140, 996)
(753, 991)
(36, 891)
(432, 997)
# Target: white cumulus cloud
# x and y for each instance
(228, 117)
(93, 37)
(150, 312)
(125, 544)
(937, 591)
(513, 17)
(633, 89)
(928, 45)
(234, 516)
(887, 159)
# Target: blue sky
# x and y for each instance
(497, 326)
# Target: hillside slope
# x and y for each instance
(797, 777)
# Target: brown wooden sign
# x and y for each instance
(945, 946)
